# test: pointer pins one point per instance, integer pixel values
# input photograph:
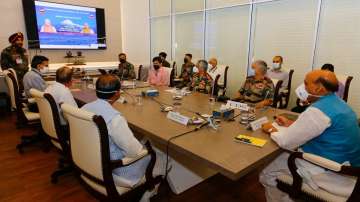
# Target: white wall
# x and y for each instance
(136, 30)
(12, 20)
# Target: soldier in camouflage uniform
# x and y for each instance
(201, 80)
(126, 70)
(257, 89)
(16, 57)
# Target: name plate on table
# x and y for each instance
(237, 105)
(174, 116)
(257, 124)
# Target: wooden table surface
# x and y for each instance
(215, 149)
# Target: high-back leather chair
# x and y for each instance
(58, 135)
(24, 116)
(91, 156)
(292, 184)
(277, 97)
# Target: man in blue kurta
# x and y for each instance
(328, 128)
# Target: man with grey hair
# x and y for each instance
(201, 80)
(257, 89)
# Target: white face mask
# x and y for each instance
(43, 71)
(276, 65)
(303, 94)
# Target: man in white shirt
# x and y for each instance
(328, 128)
(277, 72)
(122, 141)
(60, 90)
(214, 70)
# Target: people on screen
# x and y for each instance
(122, 141)
(214, 69)
(126, 70)
(257, 89)
(328, 128)
(163, 56)
(48, 27)
(202, 81)
(86, 29)
(60, 90)
(16, 57)
(158, 75)
(278, 72)
(187, 70)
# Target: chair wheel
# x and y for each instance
(20, 149)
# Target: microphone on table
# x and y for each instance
(202, 125)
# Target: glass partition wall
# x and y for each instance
(236, 32)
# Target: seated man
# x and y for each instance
(331, 68)
(202, 81)
(126, 70)
(33, 78)
(187, 70)
(213, 69)
(302, 104)
(328, 128)
(158, 75)
(60, 90)
(121, 140)
(165, 63)
(277, 72)
(257, 89)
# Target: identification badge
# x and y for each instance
(19, 61)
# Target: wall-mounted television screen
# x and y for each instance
(63, 26)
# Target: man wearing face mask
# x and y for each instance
(33, 78)
(163, 56)
(122, 141)
(328, 128)
(126, 70)
(16, 57)
(187, 71)
(158, 75)
(277, 72)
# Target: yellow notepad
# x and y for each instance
(250, 140)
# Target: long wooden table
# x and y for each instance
(215, 149)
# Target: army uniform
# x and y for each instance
(16, 58)
(126, 70)
(257, 90)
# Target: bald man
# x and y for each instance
(60, 90)
(328, 128)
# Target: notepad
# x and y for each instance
(250, 140)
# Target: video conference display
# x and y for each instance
(61, 26)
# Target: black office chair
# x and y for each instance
(223, 87)
(285, 96)
(277, 97)
(139, 72)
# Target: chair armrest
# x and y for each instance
(31, 100)
(322, 162)
(128, 161)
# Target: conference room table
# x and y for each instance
(208, 148)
